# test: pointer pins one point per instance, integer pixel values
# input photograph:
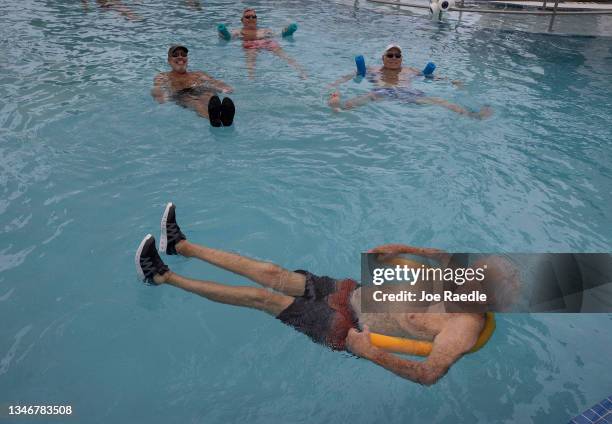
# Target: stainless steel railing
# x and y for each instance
(537, 11)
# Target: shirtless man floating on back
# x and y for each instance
(255, 39)
(194, 90)
(393, 82)
(325, 309)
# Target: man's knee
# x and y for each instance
(271, 272)
(265, 300)
(255, 296)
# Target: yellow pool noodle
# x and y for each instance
(423, 348)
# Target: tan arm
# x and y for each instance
(215, 83)
(388, 251)
(160, 84)
(341, 80)
(457, 338)
(123, 10)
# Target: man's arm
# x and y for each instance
(388, 251)
(158, 91)
(341, 80)
(215, 83)
(414, 71)
(450, 344)
(265, 33)
(411, 70)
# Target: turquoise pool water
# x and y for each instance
(88, 160)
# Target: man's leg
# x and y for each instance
(173, 241)
(336, 104)
(151, 269)
(119, 7)
(292, 62)
(198, 104)
(251, 59)
(485, 112)
(250, 297)
(265, 273)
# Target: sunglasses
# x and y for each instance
(396, 55)
(250, 16)
(179, 53)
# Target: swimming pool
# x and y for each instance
(89, 160)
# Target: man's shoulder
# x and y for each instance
(460, 332)
(467, 320)
(410, 70)
(198, 75)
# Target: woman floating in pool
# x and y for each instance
(255, 39)
(326, 309)
(194, 90)
(393, 82)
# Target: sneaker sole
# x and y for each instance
(163, 239)
(139, 270)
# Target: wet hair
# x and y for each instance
(248, 9)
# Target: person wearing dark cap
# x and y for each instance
(194, 90)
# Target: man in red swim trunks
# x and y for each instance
(255, 39)
(325, 309)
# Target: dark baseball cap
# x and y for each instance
(176, 47)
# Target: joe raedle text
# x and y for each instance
(424, 296)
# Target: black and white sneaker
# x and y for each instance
(148, 262)
(170, 231)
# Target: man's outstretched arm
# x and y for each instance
(159, 90)
(340, 80)
(398, 248)
(389, 251)
(450, 345)
(215, 83)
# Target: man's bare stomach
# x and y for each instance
(258, 34)
(422, 326)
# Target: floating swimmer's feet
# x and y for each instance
(171, 233)
(228, 110)
(148, 262)
(485, 112)
(334, 101)
(214, 111)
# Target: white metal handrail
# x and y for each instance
(499, 10)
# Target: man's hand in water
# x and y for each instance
(388, 251)
(359, 343)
